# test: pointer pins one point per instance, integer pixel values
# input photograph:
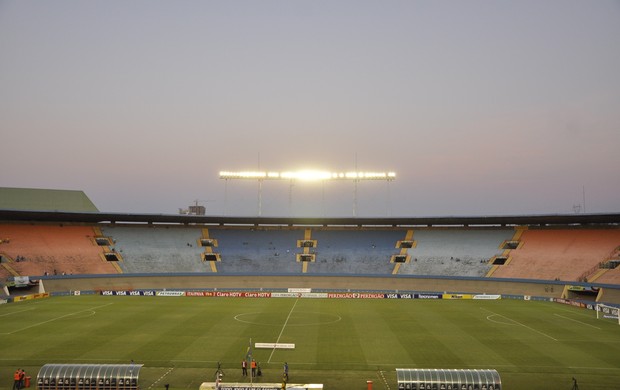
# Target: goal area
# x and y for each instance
(607, 312)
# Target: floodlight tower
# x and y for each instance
(307, 175)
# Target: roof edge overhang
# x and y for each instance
(609, 219)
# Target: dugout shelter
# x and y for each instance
(444, 379)
(89, 377)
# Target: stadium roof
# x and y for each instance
(35, 199)
(507, 220)
(72, 206)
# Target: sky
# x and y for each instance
(480, 107)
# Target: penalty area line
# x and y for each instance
(580, 322)
(523, 325)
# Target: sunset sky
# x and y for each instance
(480, 107)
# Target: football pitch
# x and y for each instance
(340, 343)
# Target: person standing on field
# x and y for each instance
(16, 379)
(22, 377)
(244, 367)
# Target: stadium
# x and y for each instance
(412, 195)
(179, 301)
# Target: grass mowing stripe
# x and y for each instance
(281, 331)
(57, 318)
(572, 319)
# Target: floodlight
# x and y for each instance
(242, 175)
(307, 175)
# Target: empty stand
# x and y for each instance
(610, 276)
(538, 253)
(609, 270)
(455, 251)
(564, 254)
(34, 250)
(257, 250)
(358, 252)
(158, 249)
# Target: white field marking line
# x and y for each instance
(387, 386)
(237, 318)
(499, 322)
(282, 331)
(57, 318)
(16, 312)
(161, 377)
(572, 319)
(90, 314)
(523, 325)
(579, 313)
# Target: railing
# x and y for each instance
(608, 263)
(584, 276)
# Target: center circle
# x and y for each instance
(302, 318)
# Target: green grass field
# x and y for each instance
(340, 343)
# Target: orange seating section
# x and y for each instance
(563, 254)
(610, 277)
(52, 249)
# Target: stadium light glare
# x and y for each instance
(307, 175)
